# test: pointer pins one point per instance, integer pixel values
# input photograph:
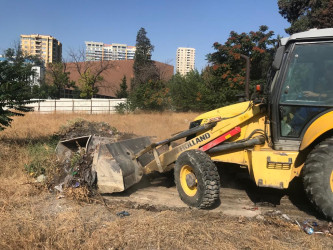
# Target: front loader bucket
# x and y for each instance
(116, 165)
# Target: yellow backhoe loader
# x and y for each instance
(277, 138)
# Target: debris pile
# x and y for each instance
(76, 173)
(78, 140)
(308, 226)
(81, 127)
(313, 227)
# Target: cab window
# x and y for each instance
(307, 89)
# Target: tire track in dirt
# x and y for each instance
(238, 197)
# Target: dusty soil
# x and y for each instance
(238, 196)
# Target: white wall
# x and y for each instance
(88, 106)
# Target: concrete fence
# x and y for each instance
(87, 106)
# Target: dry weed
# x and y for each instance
(78, 194)
(35, 126)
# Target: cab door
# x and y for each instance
(303, 93)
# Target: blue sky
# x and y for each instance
(169, 24)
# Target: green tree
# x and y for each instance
(12, 55)
(144, 68)
(41, 91)
(152, 95)
(17, 54)
(88, 84)
(323, 17)
(44, 91)
(122, 93)
(148, 92)
(226, 77)
(15, 87)
(189, 92)
(58, 77)
(306, 14)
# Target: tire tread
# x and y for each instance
(210, 178)
(317, 163)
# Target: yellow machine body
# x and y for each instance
(266, 166)
(320, 126)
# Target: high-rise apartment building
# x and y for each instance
(96, 51)
(185, 60)
(46, 47)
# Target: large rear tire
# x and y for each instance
(197, 179)
(318, 177)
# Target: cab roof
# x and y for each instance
(312, 34)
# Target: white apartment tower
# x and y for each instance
(96, 51)
(185, 60)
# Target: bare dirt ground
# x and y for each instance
(238, 197)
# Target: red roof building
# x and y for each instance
(113, 75)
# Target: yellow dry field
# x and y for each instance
(31, 217)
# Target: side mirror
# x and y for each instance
(278, 57)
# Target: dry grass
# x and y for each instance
(31, 218)
(34, 126)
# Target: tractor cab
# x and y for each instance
(301, 89)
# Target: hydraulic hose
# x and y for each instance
(237, 145)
